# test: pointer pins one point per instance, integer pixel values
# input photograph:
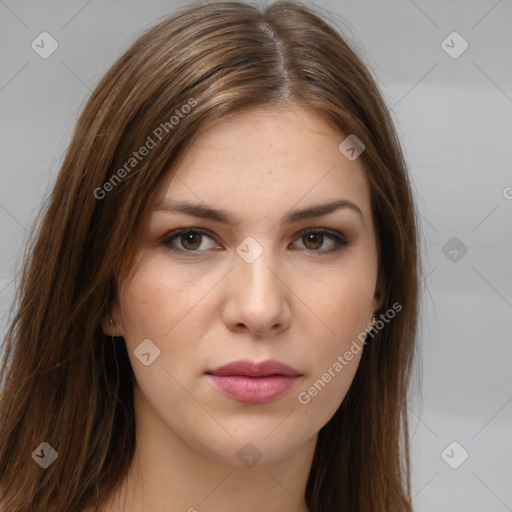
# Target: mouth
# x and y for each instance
(254, 383)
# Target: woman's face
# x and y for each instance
(254, 287)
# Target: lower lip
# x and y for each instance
(254, 390)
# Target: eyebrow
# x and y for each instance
(206, 212)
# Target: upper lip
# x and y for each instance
(252, 369)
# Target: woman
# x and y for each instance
(219, 308)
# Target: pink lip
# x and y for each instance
(254, 383)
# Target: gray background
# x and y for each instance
(454, 118)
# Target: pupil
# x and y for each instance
(189, 240)
(312, 237)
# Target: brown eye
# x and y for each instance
(188, 241)
(313, 239)
(194, 242)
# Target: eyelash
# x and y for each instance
(336, 236)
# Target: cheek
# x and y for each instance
(335, 359)
(167, 308)
(342, 301)
(155, 302)
(343, 304)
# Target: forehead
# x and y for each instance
(270, 158)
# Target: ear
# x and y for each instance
(111, 322)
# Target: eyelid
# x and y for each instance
(337, 236)
(325, 231)
(168, 238)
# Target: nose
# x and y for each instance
(257, 297)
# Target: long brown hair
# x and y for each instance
(60, 382)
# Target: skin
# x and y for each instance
(292, 303)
